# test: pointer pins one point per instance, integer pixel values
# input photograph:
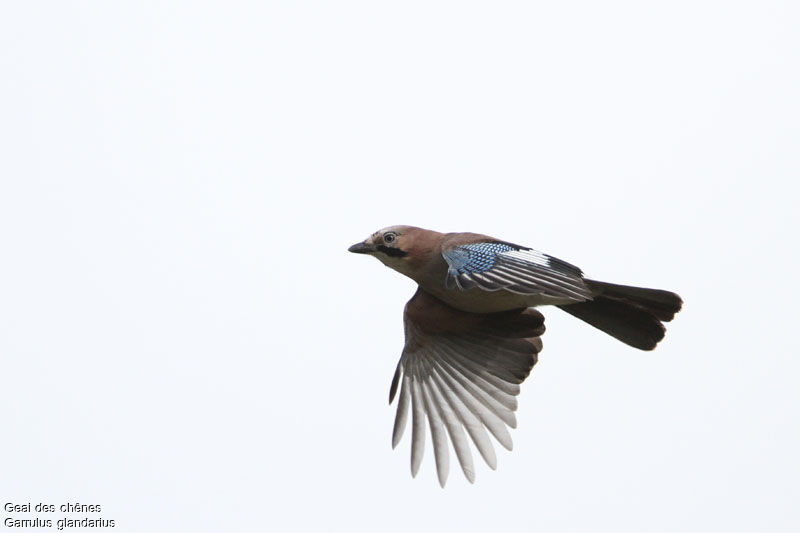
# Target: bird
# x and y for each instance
(473, 333)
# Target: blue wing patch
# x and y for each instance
(478, 257)
(496, 266)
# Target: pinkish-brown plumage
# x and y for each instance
(472, 336)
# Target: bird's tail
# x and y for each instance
(633, 315)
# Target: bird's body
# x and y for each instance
(472, 336)
(425, 263)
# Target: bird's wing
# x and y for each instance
(461, 371)
(494, 266)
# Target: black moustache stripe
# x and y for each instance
(391, 252)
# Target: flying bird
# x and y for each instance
(472, 334)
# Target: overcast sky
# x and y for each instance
(185, 340)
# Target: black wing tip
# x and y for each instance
(395, 382)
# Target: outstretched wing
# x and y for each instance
(494, 266)
(462, 371)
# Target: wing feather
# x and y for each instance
(417, 425)
(456, 417)
(492, 371)
(493, 266)
(502, 400)
(544, 280)
(490, 412)
(462, 372)
(438, 436)
(401, 417)
(467, 412)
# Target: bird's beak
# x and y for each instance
(361, 248)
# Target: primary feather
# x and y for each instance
(464, 373)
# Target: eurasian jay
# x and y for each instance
(472, 335)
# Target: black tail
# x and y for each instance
(631, 314)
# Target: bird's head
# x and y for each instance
(393, 246)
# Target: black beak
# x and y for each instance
(360, 248)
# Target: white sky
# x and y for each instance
(185, 340)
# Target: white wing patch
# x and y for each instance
(531, 256)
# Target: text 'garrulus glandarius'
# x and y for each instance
(472, 336)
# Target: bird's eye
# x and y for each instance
(389, 237)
